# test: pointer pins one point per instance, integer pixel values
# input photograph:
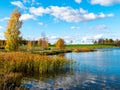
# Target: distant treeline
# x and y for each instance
(25, 42)
(40, 41)
(107, 41)
(22, 42)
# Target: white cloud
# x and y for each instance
(83, 11)
(41, 23)
(65, 13)
(78, 1)
(74, 27)
(87, 39)
(33, 0)
(53, 37)
(4, 19)
(68, 14)
(90, 39)
(1, 28)
(99, 36)
(18, 4)
(39, 11)
(25, 17)
(110, 15)
(105, 3)
(2, 36)
(102, 15)
(101, 27)
(89, 16)
(67, 38)
(26, 1)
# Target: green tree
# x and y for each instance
(12, 33)
(60, 44)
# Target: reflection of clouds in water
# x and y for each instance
(65, 82)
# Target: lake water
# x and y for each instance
(92, 71)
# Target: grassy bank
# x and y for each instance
(69, 48)
(83, 50)
(92, 46)
(52, 52)
(73, 48)
(31, 63)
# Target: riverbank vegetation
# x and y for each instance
(16, 65)
(52, 50)
(31, 63)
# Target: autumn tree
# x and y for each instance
(60, 44)
(43, 42)
(39, 42)
(12, 33)
(29, 45)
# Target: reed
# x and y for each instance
(83, 50)
(31, 63)
(10, 81)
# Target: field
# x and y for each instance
(68, 48)
(92, 46)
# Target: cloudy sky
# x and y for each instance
(78, 20)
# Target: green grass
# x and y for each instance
(87, 46)
(69, 48)
(72, 46)
(92, 46)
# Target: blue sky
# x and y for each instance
(78, 20)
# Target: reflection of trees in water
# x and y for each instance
(51, 75)
(61, 55)
(10, 81)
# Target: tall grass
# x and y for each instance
(10, 81)
(83, 50)
(31, 63)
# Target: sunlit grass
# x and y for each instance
(31, 63)
(83, 50)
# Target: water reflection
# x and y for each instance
(76, 81)
(10, 81)
(92, 71)
(61, 55)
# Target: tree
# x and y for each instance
(60, 44)
(12, 33)
(43, 42)
(39, 42)
(29, 45)
(95, 42)
(101, 41)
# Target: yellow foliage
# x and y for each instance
(60, 44)
(29, 45)
(12, 32)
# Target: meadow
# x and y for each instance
(92, 46)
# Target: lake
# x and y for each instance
(92, 71)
